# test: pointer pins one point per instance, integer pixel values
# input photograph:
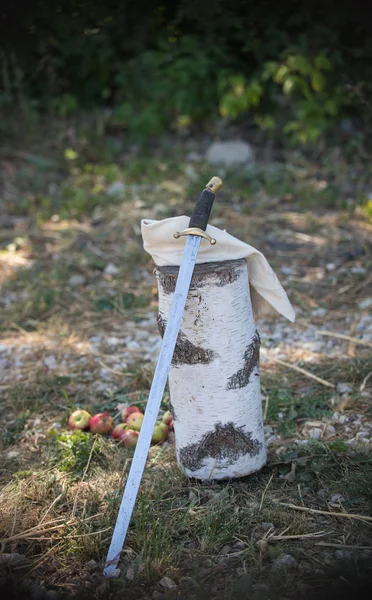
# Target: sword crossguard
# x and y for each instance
(195, 231)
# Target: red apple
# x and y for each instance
(79, 419)
(128, 438)
(135, 421)
(167, 418)
(160, 433)
(128, 411)
(116, 433)
(101, 423)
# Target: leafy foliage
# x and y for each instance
(295, 69)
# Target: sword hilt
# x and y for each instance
(202, 210)
(200, 216)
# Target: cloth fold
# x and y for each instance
(266, 289)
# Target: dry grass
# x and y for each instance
(60, 492)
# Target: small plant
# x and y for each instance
(71, 451)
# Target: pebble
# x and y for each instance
(117, 188)
(265, 526)
(319, 312)
(76, 280)
(284, 562)
(50, 362)
(315, 433)
(194, 157)
(111, 269)
(330, 430)
(230, 153)
(337, 498)
(113, 341)
(272, 439)
(366, 303)
(344, 388)
(343, 554)
(91, 564)
(12, 454)
(168, 583)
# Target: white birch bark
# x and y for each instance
(214, 378)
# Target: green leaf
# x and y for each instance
(318, 81)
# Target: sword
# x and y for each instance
(196, 231)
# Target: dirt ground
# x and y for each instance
(78, 328)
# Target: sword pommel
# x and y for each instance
(215, 184)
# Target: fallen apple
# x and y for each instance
(128, 411)
(116, 432)
(101, 423)
(167, 418)
(128, 438)
(160, 433)
(135, 421)
(79, 419)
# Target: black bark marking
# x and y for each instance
(225, 272)
(251, 357)
(186, 353)
(226, 442)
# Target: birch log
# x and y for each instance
(214, 378)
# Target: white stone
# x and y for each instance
(344, 388)
(50, 362)
(12, 454)
(331, 430)
(315, 434)
(194, 157)
(366, 303)
(319, 312)
(230, 153)
(76, 280)
(284, 562)
(168, 583)
(116, 189)
(113, 341)
(111, 269)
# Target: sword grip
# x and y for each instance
(202, 210)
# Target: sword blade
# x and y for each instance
(153, 403)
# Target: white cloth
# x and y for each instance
(266, 289)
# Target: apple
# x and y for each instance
(128, 411)
(118, 429)
(160, 433)
(101, 423)
(128, 438)
(167, 418)
(135, 421)
(79, 419)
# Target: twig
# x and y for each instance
(343, 336)
(364, 382)
(343, 546)
(81, 535)
(83, 476)
(114, 371)
(51, 506)
(324, 512)
(34, 531)
(265, 490)
(299, 536)
(304, 372)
